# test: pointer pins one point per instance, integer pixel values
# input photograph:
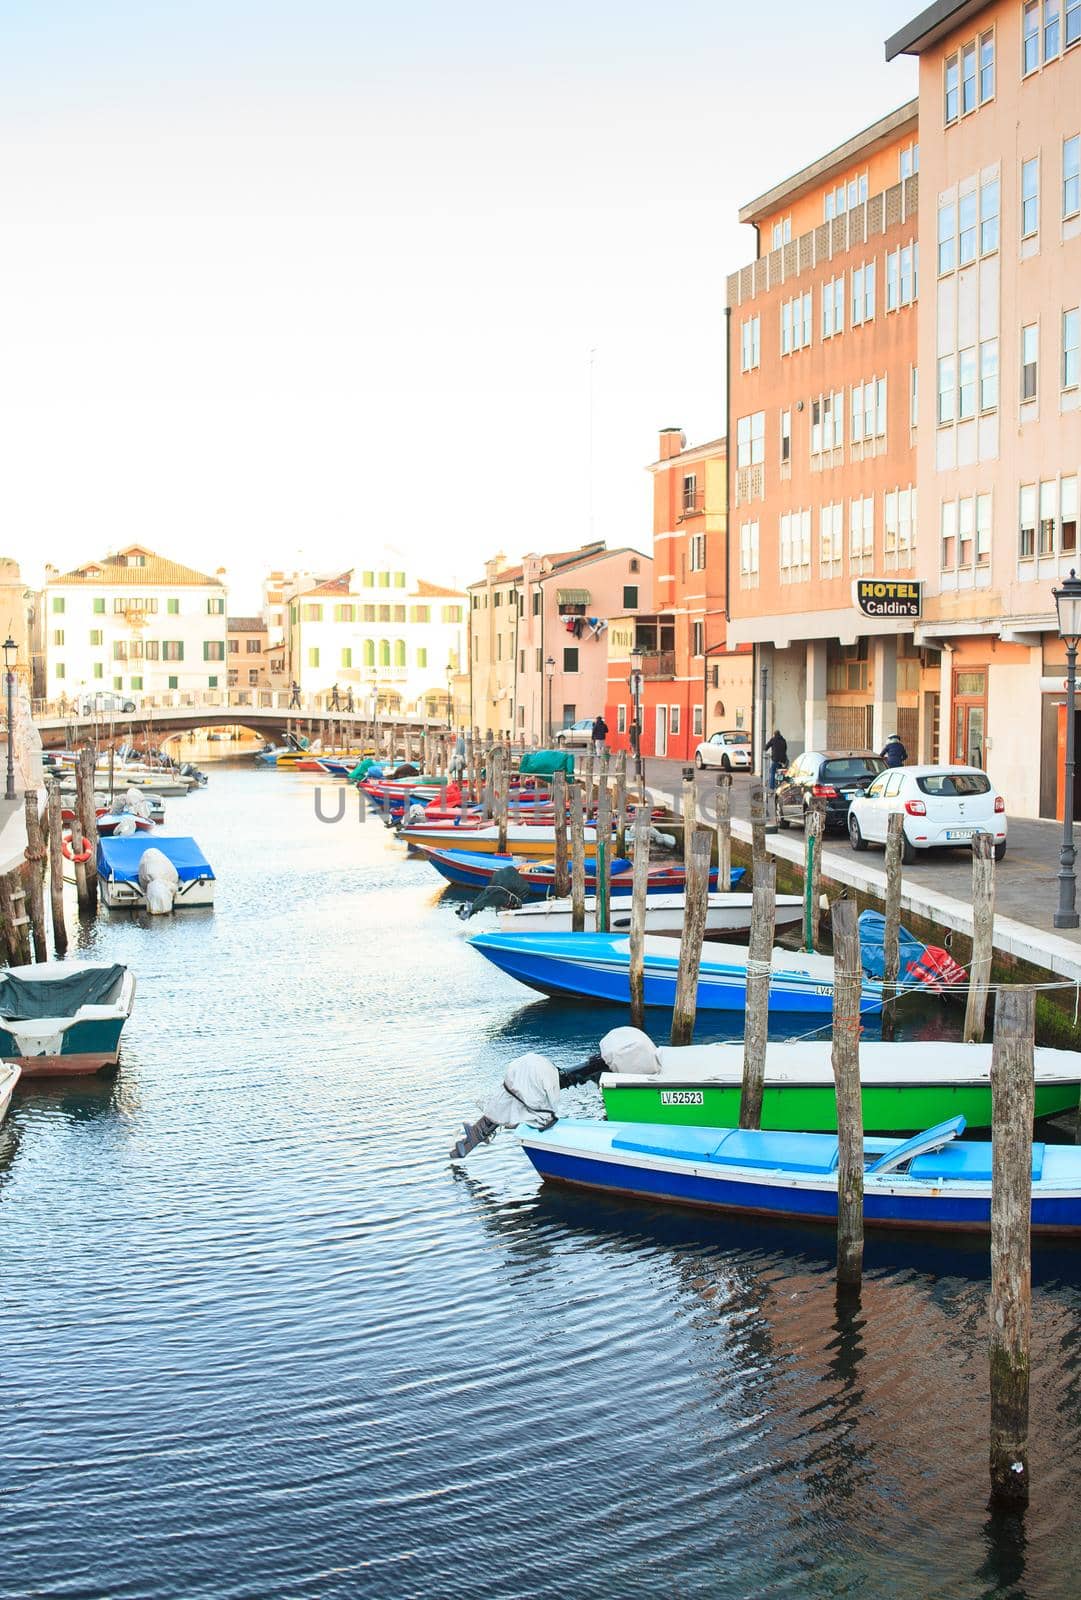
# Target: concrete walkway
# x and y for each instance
(937, 887)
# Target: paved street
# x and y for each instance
(1026, 882)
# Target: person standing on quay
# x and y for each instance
(893, 752)
(335, 703)
(777, 750)
(294, 692)
(600, 733)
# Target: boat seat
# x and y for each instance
(682, 1144)
(966, 1161)
(795, 1152)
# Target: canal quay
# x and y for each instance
(262, 1338)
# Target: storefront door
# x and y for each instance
(969, 716)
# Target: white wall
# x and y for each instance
(193, 626)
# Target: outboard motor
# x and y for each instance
(529, 1093)
(159, 881)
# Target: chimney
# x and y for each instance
(672, 442)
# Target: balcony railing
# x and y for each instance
(661, 664)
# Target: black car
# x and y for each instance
(833, 777)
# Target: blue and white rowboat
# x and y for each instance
(929, 1181)
(596, 966)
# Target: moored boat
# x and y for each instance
(725, 913)
(522, 838)
(10, 1073)
(469, 870)
(64, 1016)
(180, 877)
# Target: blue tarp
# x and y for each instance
(872, 926)
(119, 858)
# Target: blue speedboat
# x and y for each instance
(469, 870)
(929, 1181)
(596, 966)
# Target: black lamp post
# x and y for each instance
(549, 673)
(636, 727)
(1068, 602)
(450, 696)
(10, 649)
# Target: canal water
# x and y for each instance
(259, 1339)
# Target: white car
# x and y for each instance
(941, 807)
(104, 700)
(730, 750)
(580, 732)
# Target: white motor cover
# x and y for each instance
(138, 801)
(663, 841)
(125, 827)
(630, 1050)
(159, 881)
(529, 1093)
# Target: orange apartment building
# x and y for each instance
(823, 394)
(999, 439)
(692, 684)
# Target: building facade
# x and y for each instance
(823, 390)
(999, 438)
(135, 623)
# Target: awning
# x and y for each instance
(572, 597)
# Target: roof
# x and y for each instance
(594, 555)
(244, 625)
(857, 148)
(435, 591)
(930, 26)
(558, 558)
(155, 572)
(342, 584)
(690, 453)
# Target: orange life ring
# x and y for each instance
(65, 845)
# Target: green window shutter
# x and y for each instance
(136, 683)
(212, 683)
(173, 607)
(174, 683)
(399, 580)
(347, 658)
(369, 653)
(313, 656)
(99, 605)
(384, 652)
(99, 670)
(422, 658)
(399, 652)
(60, 670)
(58, 604)
(118, 683)
(369, 580)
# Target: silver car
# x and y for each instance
(580, 732)
(730, 750)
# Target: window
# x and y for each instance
(1071, 338)
(966, 218)
(98, 670)
(345, 613)
(861, 536)
(1073, 22)
(782, 235)
(673, 719)
(172, 650)
(454, 613)
(689, 486)
(347, 657)
(1045, 532)
(311, 613)
(750, 343)
(570, 658)
(987, 67)
(1050, 29)
(234, 647)
(630, 597)
(827, 423)
(621, 719)
(696, 721)
(863, 293)
(989, 205)
(1030, 41)
(947, 237)
(384, 652)
(417, 614)
(152, 649)
(899, 527)
(172, 608)
(947, 384)
(215, 606)
(698, 630)
(123, 608)
(989, 375)
(949, 534)
(422, 656)
(795, 546)
(368, 652)
(796, 324)
(58, 605)
(120, 650)
(908, 161)
(58, 636)
(952, 89)
(251, 647)
(968, 79)
(786, 437)
(99, 605)
(1030, 197)
(833, 307)
(1071, 176)
(966, 387)
(698, 552)
(901, 286)
(966, 528)
(60, 670)
(213, 650)
(399, 580)
(868, 410)
(136, 682)
(750, 441)
(748, 555)
(1030, 360)
(1068, 514)
(397, 613)
(253, 677)
(384, 580)
(174, 683)
(1026, 544)
(97, 638)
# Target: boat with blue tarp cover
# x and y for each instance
(128, 876)
(933, 1180)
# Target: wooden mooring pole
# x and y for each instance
(562, 885)
(587, 781)
(604, 855)
(724, 831)
(690, 944)
(621, 804)
(812, 899)
(847, 993)
(501, 780)
(983, 935)
(639, 900)
(35, 862)
(578, 862)
(56, 872)
(891, 947)
(758, 828)
(689, 810)
(86, 825)
(756, 1022)
(1012, 1107)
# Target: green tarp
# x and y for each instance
(546, 763)
(24, 999)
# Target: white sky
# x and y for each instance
(283, 282)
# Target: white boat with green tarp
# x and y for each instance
(64, 1016)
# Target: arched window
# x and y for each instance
(369, 652)
(718, 709)
(399, 652)
(384, 652)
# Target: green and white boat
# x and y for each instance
(64, 1016)
(906, 1085)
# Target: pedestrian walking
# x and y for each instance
(599, 733)
(777, 750)
(334, 702)
(294, 690)
(349, 700)
(893, 752)
(458, 760)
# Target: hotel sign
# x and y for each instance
(888, 597)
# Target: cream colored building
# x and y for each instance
(133, 623)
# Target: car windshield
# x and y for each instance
(735, 738)
(951, 784)
(852, 769)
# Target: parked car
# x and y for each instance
(729, 749)
(941, 807)
(103, 700)
(834, 777)
(580, 732)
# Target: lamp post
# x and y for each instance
(10, 651)
(549, 673)
(635, 681)
(1068, 603)
(450, 697)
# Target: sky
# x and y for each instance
(282, 283)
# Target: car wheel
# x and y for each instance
(1000, 851)
(726, 764)
(855, 837)
(908, 849)
(699, 763)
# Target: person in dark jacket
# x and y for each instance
(893, 752)
(600, 734)
(777, 750)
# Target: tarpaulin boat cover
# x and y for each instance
(119, 858)
(920, 963)
(24, 999)
(546, 763)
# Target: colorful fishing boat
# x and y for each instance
(596, 966)
(522, 839)
(905, 1086)
(664, 913)
(64, 1016)
(469, 870)
(932, 1180)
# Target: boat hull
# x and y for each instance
(471, 871)
(120, 896)
(521, 840)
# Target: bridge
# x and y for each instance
(270, 712)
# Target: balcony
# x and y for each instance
(694, 504)
(659, 664)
